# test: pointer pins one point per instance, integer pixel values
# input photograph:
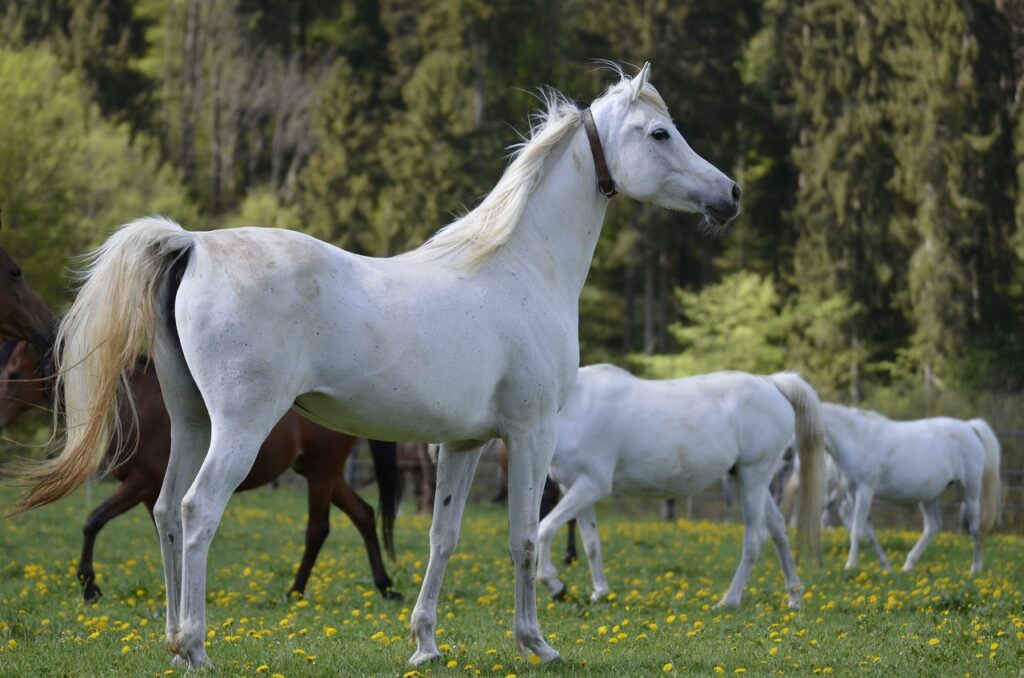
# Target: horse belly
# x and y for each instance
(666, 475)
(913, 483)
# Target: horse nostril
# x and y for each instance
(736, 192)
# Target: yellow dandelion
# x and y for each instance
(667, 667)
(125, 650)
(452, 664)
(719, 669)
(933, 641)
(262, 668)
(330, 631)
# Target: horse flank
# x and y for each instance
(96, 347)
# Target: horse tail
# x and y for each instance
(389, 482)
(991, 483)
(113, 317)
(810, 446)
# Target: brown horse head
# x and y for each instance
(22, 313)
(23, 381)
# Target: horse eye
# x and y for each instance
(659, 134)
(15, 375)
(16, 273)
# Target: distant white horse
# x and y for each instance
(674, 438)
(912, 462)
(837, 499)
(470, 337)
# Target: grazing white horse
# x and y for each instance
(912, 462)
(674, 438)
(470, 337)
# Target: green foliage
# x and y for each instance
(879, 147)
(68, 177)
(734, 325)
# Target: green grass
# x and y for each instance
(666, 577)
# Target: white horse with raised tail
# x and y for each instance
(676, 437)
(470, 337)
(912, 462)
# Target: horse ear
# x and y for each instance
(640, 80)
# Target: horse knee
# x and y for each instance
(524, 554)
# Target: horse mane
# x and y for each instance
(475, 238)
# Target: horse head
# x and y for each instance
(650, 161)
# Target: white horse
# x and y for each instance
(673, 439)
(469, 337)
(912, 462)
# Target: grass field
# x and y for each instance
(666, 577)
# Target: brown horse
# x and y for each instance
(414, 460)
(22, 313)
(315, 452)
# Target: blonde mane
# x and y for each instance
(472, 240)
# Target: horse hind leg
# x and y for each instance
(776, 523)
(318, 526)
(972, 515)
(190, 438)
(362, 516)
(129, 493)
(234, 444)
(753, 483)
(932, 525)
(455, 472)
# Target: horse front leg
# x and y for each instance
(529, 456)
(455, 472)
(580, 494)
(863, 496)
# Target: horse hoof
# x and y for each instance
(295, 594)
(561, 593)
(391, 594)
(179, 662)
(724, 604)
(423, 656)
(795, 605)
(92, 593)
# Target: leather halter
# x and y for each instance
(604, 177)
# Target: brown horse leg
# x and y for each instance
(132, 491)
(318, 526)
(362, 516)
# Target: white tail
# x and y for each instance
(810, 445)
(106, 328)
(991, 482)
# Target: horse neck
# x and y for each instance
(558, 231)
